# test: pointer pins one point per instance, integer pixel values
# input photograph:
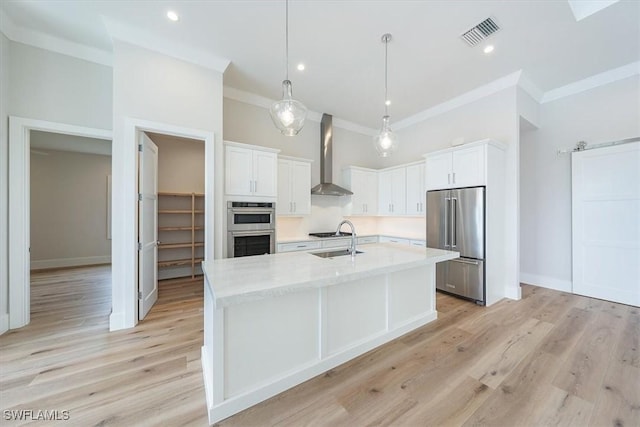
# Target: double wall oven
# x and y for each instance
(251, 228)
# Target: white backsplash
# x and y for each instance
(326, 214)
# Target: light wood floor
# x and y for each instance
(550, 359)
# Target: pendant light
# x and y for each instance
(386, 142)
(288, 114)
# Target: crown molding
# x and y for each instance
(165, 46)
(476, 94)
(264, 102)
(55, 44)
(530, 88)
(593, 82)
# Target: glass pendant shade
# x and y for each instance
(288, 114)
(386, 142)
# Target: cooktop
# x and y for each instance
(330, 234)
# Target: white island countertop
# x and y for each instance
(238, 280)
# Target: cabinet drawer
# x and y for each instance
(298, 246)
(384, 239)
(336, 243)
(421, 243)
(367, 239)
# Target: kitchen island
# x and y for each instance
(274, 321)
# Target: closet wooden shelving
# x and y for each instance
(180, 235)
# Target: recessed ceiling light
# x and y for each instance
(301, 67)
(387, 102)
(488, 48)
(172, 16)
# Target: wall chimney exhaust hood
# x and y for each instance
(326, 188)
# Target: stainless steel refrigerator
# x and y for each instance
(456, 221)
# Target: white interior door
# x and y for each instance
(147, 225)
(606, 223)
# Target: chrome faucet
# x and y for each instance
(352, 249)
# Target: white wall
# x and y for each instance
(48, 86)
(69, 209)
(169, 93)
(180, 164)
(603, 114)
(4, 189)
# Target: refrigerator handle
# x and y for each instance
(447, 211)
(454, 237)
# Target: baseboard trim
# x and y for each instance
(547, 282)
(4, 323)
(70, 262)
(116, 322)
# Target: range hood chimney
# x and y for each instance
(326, 188)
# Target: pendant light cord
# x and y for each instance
(286, 32)
(386, 97)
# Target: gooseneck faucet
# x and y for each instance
(352, 249)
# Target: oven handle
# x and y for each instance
(251, 211)
(252, 232)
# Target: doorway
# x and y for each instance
(171, 214)
(19, 206)
(69, 223)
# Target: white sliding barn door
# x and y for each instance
(147, 225)
(606, 223)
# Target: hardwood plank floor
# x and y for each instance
(550, 359)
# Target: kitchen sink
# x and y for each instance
(332, 254)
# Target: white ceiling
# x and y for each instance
(40, 140)
(339, 42)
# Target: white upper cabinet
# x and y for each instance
(250, 170)
(392, 195)
(364, 185)
(294, 187)
(458, 167)
(416, 191)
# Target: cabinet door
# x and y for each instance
(238, 171)
(438, 171)
(398, 191)
(385, 196)
(358, 187)
(370, 193)
(415, 189)
(468, 167)
(284, 206)
(364, 185)
(300, 184)
(265, 175)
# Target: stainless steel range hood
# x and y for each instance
(326, 188)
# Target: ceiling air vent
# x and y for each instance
(480, 32)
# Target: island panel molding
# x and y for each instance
(274, 321)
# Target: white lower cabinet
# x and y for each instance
(389, 239)
(298, 246)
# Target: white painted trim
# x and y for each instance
(45, 41)
(4, 323)
(264, 102)
(125, 225)
(70, 262)
(165, 46)
(546, 282)
(593, 82)
(19, 214)
(530, 88)
(464, 99)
